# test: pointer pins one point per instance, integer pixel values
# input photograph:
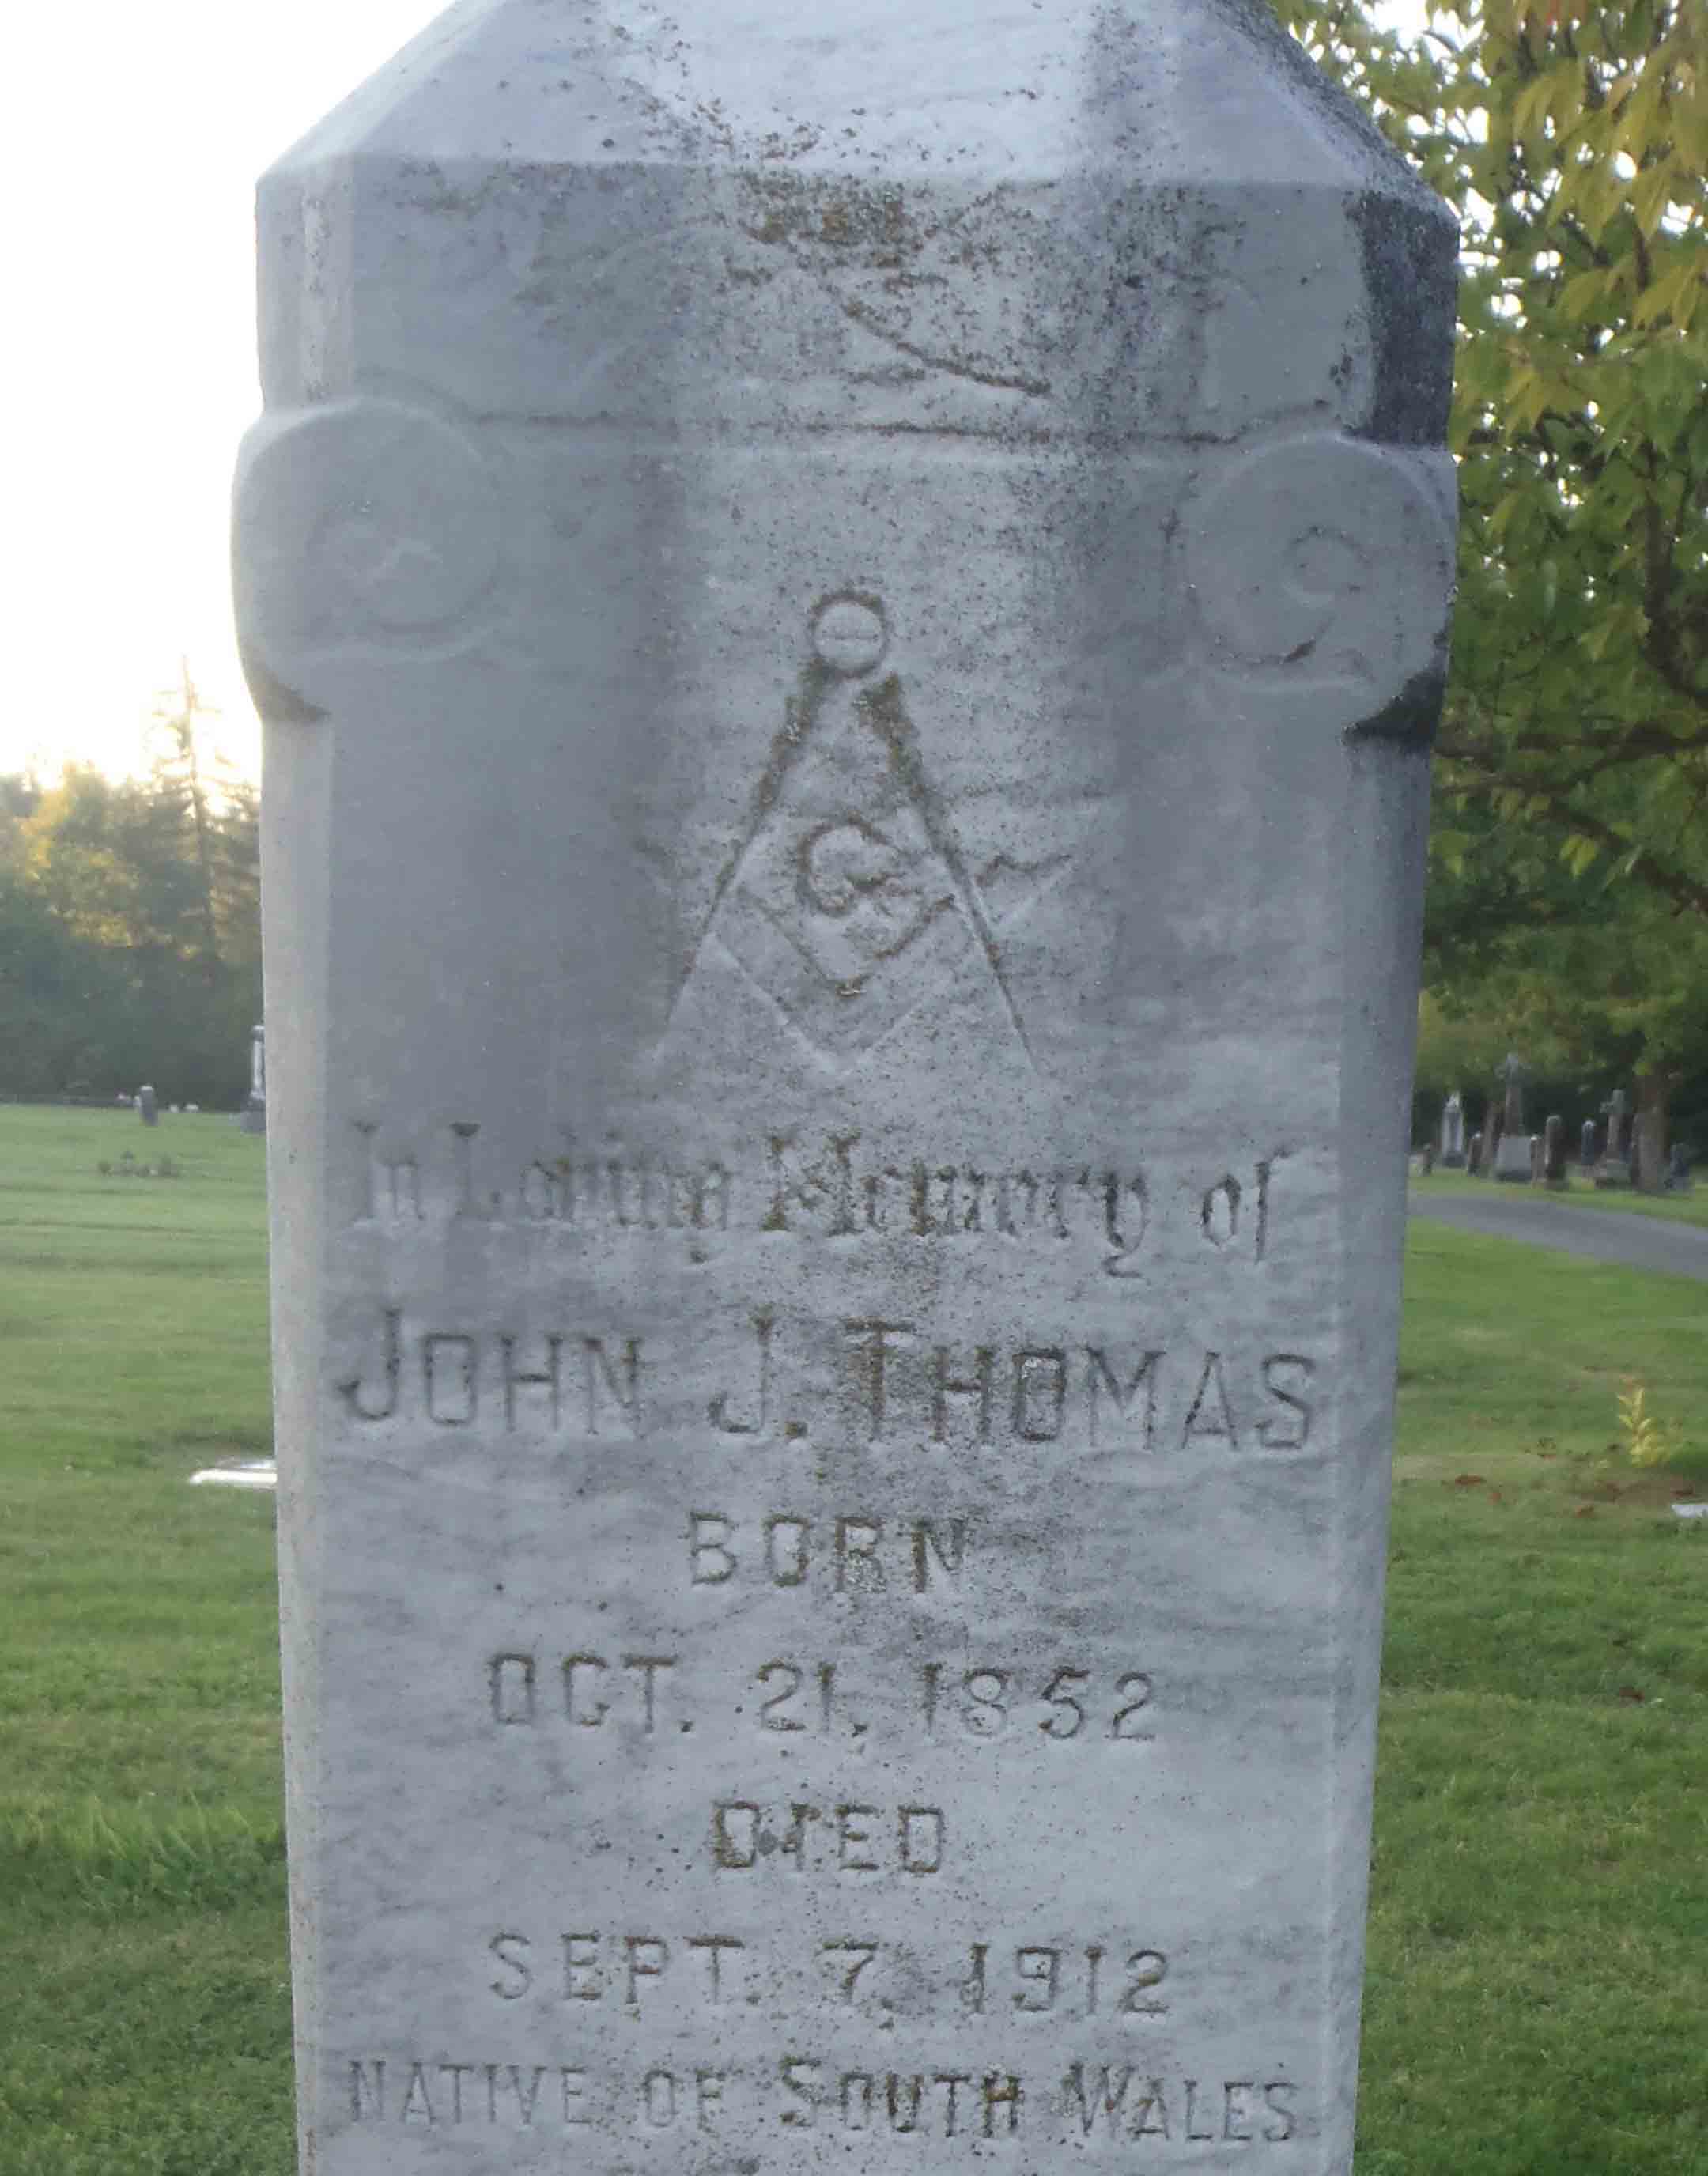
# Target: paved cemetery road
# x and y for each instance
(1642, 1243)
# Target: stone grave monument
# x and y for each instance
(1452, 1134)
(1648, 1145)
(849, 609)
(1614, 1169)
(1513, 1162)
(253, 1117)
(1586, 1148)
(148, 1106)
(1554, 1152)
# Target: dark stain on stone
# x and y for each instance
(277, 704)
(1411, 274)
(1410, 719)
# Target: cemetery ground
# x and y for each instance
(1540, 1906)
(1691, 1208)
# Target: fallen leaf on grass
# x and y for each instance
(1585, 1511)
(1495, 1496)
(1631, 1694)
(1468, 1481)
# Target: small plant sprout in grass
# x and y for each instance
(1648, 1441)
(129, 1167)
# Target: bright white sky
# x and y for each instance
(130, 159)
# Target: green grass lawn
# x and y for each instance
(1540, 1911)
(145, 2008)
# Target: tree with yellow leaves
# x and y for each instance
(1573, 140)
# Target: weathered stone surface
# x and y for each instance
(849, 612)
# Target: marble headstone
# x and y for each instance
(1515, 1160)
(849, 609)
(1453, 1133)
(1553, 1157)
(253, 1117)
(148, 1107)
(1586, 1147)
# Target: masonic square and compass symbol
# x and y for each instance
(848, 900)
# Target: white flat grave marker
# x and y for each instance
(244, 1473)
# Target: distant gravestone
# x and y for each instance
(148, 1107)
(848, 661)
(1453, 1133)
(1649, 1145)
(1614, 1169)
(1514, 1161)
(1474, 1158)
(1679, 1169)
(253, 1119)
(1586, 1147)
(1553, 1158)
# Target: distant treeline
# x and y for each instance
(130, 934)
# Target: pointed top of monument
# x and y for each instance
(1182, 92)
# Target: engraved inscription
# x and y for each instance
(845, 1840)
(574, 1381)
(1094, 2106)
(619, 1970)
(925, 2104)
(897, 1379)
(1042, 1979)
(905, 1384)
(646, 1696)
(1280, 545)
(852, 1554)
(366, 526)
(605, 1189)
(847, 900)
(632, 1975)
(1116, 2103)
(832, 1187)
